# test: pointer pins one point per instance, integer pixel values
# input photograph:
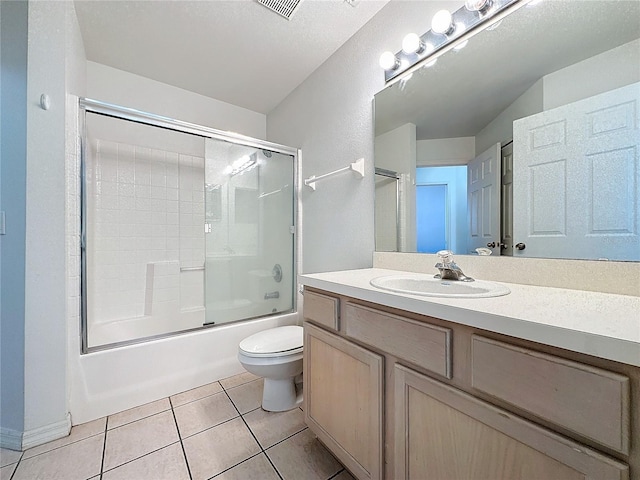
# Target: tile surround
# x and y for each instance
(197, 434)
(146, 211)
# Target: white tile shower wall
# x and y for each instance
(146, 208)
(191, 196)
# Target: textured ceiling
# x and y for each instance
(236, 51)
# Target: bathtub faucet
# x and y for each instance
(449, 270)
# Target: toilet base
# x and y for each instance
(280, 395)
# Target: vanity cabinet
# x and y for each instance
(343, 400)
(399, 395)
(444, 433)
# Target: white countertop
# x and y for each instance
(600, 324)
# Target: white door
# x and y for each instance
(507, 200)
(576, 179)
(483, 200)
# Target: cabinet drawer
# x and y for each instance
(586, 400)
(424, 345)
(321, 309)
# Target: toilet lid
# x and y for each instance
(279, 340)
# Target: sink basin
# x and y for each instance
(426, 285)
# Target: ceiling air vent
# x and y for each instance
(281, 7)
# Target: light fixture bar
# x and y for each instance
(463, 21)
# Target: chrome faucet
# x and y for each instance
(449, 270)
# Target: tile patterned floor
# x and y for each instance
(214, 431)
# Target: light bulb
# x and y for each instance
(442, 22)
(412, 44)
(476, 5)
(388, 61)
(227, 170)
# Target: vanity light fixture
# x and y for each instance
(448, 29)
(477, 5)
(412, 44)
(389, 61)
(442, 23)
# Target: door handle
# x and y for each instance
(520, 246)
(492, 244)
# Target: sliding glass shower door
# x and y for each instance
(249, 235)
(182, 227)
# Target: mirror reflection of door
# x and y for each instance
(576, 178)
(441, 208)
(506, 200)
(483, 191)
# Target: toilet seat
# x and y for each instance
(275, 342)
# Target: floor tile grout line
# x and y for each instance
(285, 439)
(138, 458)
(138, 419)
(184, 452)
(56, 448)
(13, 474)
(208, 428)
(234, 466)
(239, 385)
(104, 445)
(196, 399)
(336, 474)
(254, 437)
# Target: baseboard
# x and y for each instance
(10, 439)
(53, 431)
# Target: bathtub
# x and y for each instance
(109, 381)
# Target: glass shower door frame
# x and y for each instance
(87, 105)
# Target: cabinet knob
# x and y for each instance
(520, 246)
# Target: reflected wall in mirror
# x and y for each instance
(525, 141)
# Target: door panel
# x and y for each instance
(577, 178)
(483, 190)
(507, 200)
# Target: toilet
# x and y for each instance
(276, 355)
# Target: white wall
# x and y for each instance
(593, 76)
(111, 85)
(330, 116)
(443, 152)
(501, 128)
(36, 316)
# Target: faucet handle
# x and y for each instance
(445, 257)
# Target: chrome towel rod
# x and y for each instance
(192, 269)
(357, 166)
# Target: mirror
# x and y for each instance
(524, 142)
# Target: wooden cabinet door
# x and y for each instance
(343, 400)
(442, 433)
